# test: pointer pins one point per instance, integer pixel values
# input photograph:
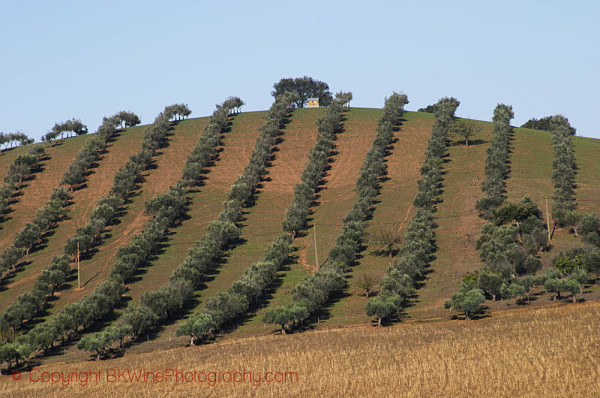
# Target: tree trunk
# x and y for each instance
(467, 141)
(283, 329)
(192, 341)
(378, 321)
(574, 300)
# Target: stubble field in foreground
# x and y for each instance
(548, 352)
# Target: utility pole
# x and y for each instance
(316, 253)
(78, 269)
(548, 219)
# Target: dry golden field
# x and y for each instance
(551, 352)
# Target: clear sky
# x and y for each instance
(83, 59)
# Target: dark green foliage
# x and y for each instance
(544, 124)
(73, 126)
(384, 306)
(11, 139)
(305, 87)
(416, 252)
(200, 327)
(563, 171)
(496, 166)
(588, 227)
(468, 302)
(289, 315)
(510, 243)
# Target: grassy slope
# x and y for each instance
(34, 194)
(206, 201)
(335, 201)
(515, 353)
(262, 221)
(458, 224)
(394, 210)
(98, 184)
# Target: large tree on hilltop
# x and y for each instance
(306, 87)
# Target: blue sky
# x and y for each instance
(65, 59)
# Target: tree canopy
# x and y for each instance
(544, 124)
(306, 87)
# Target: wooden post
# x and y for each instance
(316, 253)
(78, 269)
(548, 220)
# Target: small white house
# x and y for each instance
(312, 103)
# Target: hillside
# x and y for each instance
(458, 223)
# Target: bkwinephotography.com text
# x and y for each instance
(141, 375)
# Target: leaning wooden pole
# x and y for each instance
(78, 269)
(548, 220)
(316, 253)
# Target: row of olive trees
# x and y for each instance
(296, 215)
(205, 151)
(496, 164)
(105, 296)
(103, 213)
(52, 212)
(499, 246)
(419, 245)
(247, 293)
(46, 218)
(12, 139)
(314, 291)
(166, 210)
(125, 183)
(563, 172)
(68, 128)
(18, 172)
(94, 147)
(155, 307)
(508, 247)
